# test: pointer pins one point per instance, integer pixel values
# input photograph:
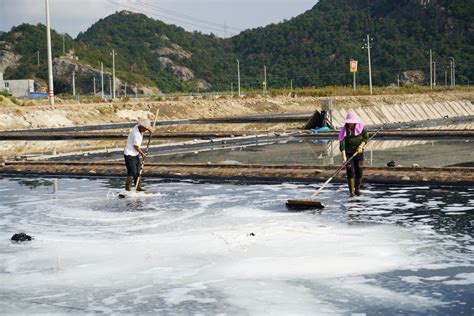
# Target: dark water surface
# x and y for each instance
(433, 153)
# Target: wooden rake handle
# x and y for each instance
(342, 167)
(332, 177)
(147, 149)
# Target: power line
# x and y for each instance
(182, 15)
(166, 17)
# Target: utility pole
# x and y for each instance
(291, 84)
(110, 86)
(398, 80)
(113, 73)
(73, 83)
(38, 57)
(431, 69)
(238, 75)
(265, 80)
(453, 72)
(102, 79)
(94, 85)
(367, 45)
(354, 82)
(125, 89)
(434, 74)
(50, 57)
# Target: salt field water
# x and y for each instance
(431, 153)
(206, 248)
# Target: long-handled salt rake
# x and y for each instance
(147, 150)
(309, 202)
(142, 164)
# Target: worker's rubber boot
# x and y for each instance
(351, 184)
(139, 186)
(357, 186)
(128, 183)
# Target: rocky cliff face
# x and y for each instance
(7, 57)
(171, 56)
(23, 56)
(176, 52)
(64, 66)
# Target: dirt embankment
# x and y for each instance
(68, 114)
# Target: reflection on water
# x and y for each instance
(258, 151)
(324, 152)
(35, 183)
(35, 148)
(221, 248)
(43, 147)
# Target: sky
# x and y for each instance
(74, 16)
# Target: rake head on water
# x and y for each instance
(303, 204)
(309, 203)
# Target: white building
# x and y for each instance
(17, 88)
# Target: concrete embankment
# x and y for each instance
(405, 112)
(245, 173)
(371, 109)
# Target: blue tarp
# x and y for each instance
(321, 129)
(38, 95)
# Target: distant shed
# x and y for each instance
(17, 88)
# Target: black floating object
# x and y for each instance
(251, 234)
(21, 237)
(391, 164)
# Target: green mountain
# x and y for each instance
(21, 47)
(312, 49)
(315, 47)
(168, 55)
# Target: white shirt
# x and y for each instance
(135, 138)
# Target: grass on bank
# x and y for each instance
(328, 91)
(333, 91)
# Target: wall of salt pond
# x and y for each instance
(404, 112)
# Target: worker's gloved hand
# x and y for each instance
(360, 150)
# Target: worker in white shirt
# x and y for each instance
(133, 152)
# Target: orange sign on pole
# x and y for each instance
(353, 65)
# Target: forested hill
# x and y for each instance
(312, 49)
(167, 54)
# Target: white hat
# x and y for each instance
(146, 124)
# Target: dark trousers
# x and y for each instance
(133, 165)
(354, 168)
